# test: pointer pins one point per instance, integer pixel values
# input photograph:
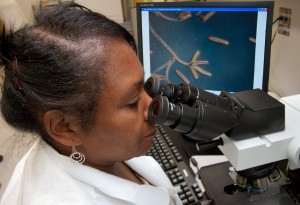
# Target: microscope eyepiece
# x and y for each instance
(200, 121)
(158, 110)
(179, 116)
(184, 93)
(152, 86)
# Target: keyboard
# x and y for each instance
(165, 152)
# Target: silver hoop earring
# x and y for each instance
(77, 157)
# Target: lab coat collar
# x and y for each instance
(109, 184)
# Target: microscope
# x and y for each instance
(253, 130)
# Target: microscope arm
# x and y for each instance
(244, 153)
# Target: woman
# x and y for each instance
(74, 78)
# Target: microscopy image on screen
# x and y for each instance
(214, 50)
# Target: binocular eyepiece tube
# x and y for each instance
(201, 121)
(179, 116)
(184, 93)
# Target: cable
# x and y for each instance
(279, 18)
(274, 35)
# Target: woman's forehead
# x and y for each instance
(123, 70)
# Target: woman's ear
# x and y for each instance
(60, 128)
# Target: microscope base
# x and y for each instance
(215, 177)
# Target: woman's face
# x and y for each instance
(121, 130)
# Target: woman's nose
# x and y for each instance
(147, 104)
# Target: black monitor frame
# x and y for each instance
(264, 4)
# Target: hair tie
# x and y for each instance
(17, 83)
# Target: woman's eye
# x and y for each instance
(134, 104)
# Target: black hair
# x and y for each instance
(54, 64)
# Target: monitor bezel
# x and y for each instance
(261, 4)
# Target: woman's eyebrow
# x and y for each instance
(128, 93)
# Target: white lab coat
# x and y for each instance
(44, 177)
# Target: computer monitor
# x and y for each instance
(211, 45)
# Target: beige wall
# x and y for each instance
(111, 8)
(285, 56)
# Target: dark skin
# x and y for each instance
(121, 130)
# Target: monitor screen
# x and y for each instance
(211, 45)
